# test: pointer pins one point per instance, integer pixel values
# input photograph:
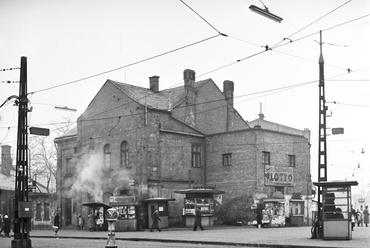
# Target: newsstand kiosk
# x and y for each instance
(202, 198)
(162, 205)
(336, 209)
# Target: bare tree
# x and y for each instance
(43, 154)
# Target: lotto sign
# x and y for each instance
(278, 176)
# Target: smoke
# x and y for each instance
(89, 178)
(93, 178)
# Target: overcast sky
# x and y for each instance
(129, 41)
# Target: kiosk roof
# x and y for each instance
(336, 183)
(189, 191)
(95, 205)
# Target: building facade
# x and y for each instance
(146, 143)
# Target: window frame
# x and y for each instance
(196, 161)
(291, 160)
(264, 156)
(227, 159)
(124, 154)
(107, 155)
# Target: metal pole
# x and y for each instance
(21, 224)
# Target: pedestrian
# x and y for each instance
(198, 220)
(1, 224)
(359, 218)
(155, 218)
(91, 221)
(366, 216)
(353, 217)
(56, 223)
(79, 222)
(7, 224)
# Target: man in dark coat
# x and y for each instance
(198, 220)
(7, 224)
(155, 218)
(56, 223)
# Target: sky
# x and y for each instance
(73, 47)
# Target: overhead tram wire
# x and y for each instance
(125, 66)
(311, 24)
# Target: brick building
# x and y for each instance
(144, 143)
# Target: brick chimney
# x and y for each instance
(6, 160)
(229, 92)
(189, 78)
(154, 83)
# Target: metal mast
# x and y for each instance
(322, 173)
(22, 207)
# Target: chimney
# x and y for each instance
(6, 160)
(229, 92)
(189, 78)
(154, 83)
(261, 115)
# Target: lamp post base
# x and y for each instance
(21, 243)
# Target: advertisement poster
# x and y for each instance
(278, 176)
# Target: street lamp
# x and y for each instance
(266, 13)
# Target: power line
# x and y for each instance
(125, 66)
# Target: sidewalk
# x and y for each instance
(239, 236)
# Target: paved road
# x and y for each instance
(287, 237)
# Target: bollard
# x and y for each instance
(111, 215)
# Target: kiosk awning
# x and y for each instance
(336, 183)
(158, 199)
(96, 205)
(189, 191)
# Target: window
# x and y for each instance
(195, 156)
(226, 159)
(38, 211)
(68, 167)
(291, 160)
(124, 154)
(46, 211)
(266, 157)
(280, 189)
(107, 155)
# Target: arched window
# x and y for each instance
(107, 155)
(124, 154)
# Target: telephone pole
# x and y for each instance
(22, 206)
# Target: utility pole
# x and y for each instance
(22, 206)
(322, 160)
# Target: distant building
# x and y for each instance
(141, 143)
(43, 203)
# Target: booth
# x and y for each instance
(162, 205)
(127, 208)
(296, 212)
(275, 209)
(202, 199)
(99, 210)
(336, 209)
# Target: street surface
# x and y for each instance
(217, 237)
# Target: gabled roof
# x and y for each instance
(6, 182)
(162, 100)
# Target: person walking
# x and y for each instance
(1, 224)
(155, 218)
(79, 222)
(359, 218)
(91, 221)
(7, 225)
(198, 220)
(56, 223)
(353, 217)
(366, 216)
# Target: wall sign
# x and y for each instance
(278, 176)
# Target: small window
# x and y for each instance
(68, 167)
(280, 189)
(107, 155)
(124, 154)
(195, 156)
(291, 160)
(226, 159)
(38, 211)
(266, 157)
(46, 211)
